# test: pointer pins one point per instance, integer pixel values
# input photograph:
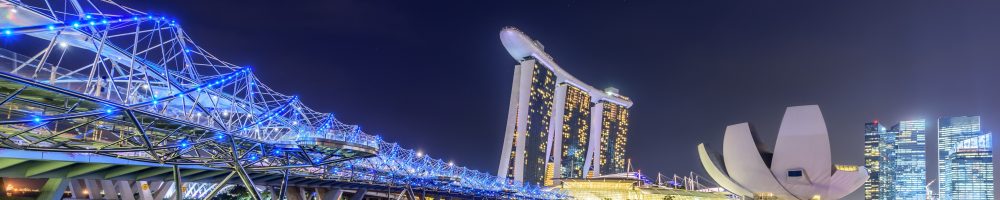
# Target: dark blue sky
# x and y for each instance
(434, 76)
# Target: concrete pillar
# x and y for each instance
(304, 194)
(320, 192)
(145, 190)
(109, 189)
(592, 163)
(76, 189)
(125, 190)
(53, 189)
(553, 145)
(359, 194)
(527, 69)
(333, 194)
(163, 189)
(93, 190)
(293, 193)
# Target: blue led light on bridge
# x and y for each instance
(391, 164)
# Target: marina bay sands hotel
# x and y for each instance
(558, 126)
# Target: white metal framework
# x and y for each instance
(93, 76)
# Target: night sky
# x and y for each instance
(433, 75)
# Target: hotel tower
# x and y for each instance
(557, 125)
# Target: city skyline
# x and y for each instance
(896, 158)
(701, 75)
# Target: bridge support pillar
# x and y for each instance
(319, 192)
(283, 189)
(125, 190)
(93, 190)
(161, 192)
(293, 193)
(53, 189)
(109, 189)
(146, 189)
(334, 194)
(244, 177)
(306, 195)
(76, 190)
(359, 194)
(218, 186)
(179, 184)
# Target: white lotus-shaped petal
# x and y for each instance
(800, 168)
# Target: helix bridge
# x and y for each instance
(95, 77)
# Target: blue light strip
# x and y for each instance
(209, 84)
(84, 23)
(270, 115)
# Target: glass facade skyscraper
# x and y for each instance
(874, 132)
(557, 126)
(952, 130)
(971, 163)
(909, 168)
(887, 176)
(895, 160)
(613, 139)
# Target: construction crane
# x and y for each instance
(930, 193)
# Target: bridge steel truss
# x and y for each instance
(96, 77)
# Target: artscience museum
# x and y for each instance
(799, 167)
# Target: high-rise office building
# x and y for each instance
(874, 132)
(971, 163)
(557, 125)
(909, 162)
(895, 160)
(887, 189)
(951, 130)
